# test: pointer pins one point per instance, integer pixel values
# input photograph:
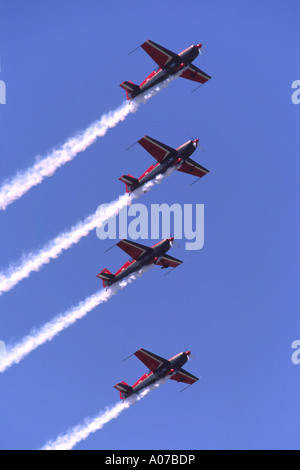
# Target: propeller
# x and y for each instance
(176, 244)
(171, 241)
(189, 356)
(196, 142)
(200, 48)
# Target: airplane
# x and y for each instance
(169, 64)
(141, 256)
(167, 157)
(159, 368)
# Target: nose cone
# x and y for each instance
(199, 46)
(195, 142)
(187, 353)
(171, 240)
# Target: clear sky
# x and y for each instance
(235, 303)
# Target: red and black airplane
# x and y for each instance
(169, 64)
(167, 157)
(159, 369)
(141, 256)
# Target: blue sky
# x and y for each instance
(235, 303)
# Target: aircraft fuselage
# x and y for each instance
(169, 368)
(148, 258)
(175, 66)
(182, 153)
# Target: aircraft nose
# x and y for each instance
(195, 142)
(198, 46)
(187, 353)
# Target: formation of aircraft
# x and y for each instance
(159, 368)
(169, 64)
(167, 157)
(141, 255)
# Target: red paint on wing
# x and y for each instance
(148, 360)
(156, 54)
(155, 150)
(192, 170)
(193, 75)
(131, 248)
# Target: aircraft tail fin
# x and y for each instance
(106, 276)
(124, 389)
(131, 89)
(130, 182)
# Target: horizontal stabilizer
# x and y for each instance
(131, 89)
(106, 276)
(124, 389)
(130, 182)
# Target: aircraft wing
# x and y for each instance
(193, 73)
(184, 376)
(152, 361)
(135, 250)
(159, 54)
(158, 150)
(169, 262)
(193, 168)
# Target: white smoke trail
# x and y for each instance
(34, 261)
(51, 329)
(82, 432)
(15, 188)
(144, 97)
(23, 182)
